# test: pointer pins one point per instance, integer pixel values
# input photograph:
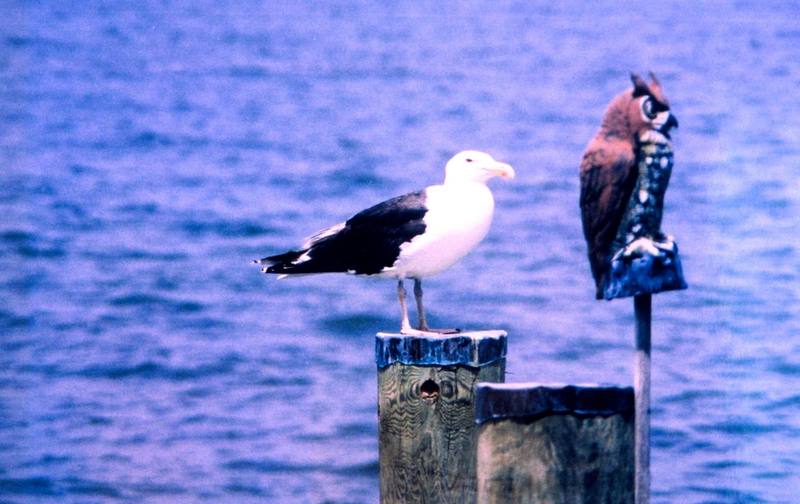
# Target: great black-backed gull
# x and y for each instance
(411, 236)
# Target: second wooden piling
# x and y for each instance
(554, 444)
(426, 410)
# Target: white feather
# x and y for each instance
(320, 235)
(458, 218)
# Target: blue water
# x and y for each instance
(149, 151)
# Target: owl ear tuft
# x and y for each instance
(655, 85)
(640, 87)
(656, 90)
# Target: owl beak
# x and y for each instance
(672, 122)
(503, 170)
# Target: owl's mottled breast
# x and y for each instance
(654, 159)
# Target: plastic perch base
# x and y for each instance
(645, 273)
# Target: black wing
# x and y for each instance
(365, 244)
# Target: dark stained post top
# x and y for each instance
(497, 401)
(476, 349)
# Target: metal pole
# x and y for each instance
(643, 310)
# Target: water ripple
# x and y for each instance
(159, 371)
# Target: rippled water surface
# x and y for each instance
(150, 150)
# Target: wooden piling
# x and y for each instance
(426, 410)
(554, 444)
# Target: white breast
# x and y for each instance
(458, 218)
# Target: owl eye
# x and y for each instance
(647, 108)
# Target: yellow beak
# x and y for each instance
(503, 170)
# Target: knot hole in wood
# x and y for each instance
(429, 390)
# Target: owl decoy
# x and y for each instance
(624, 174)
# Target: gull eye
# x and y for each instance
(648, 111)
(469, 160)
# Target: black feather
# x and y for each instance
(367, 243)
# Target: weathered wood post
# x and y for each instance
(554, 444)
(426, 410)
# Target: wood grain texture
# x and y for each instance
(427, 431)
(556, 459)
